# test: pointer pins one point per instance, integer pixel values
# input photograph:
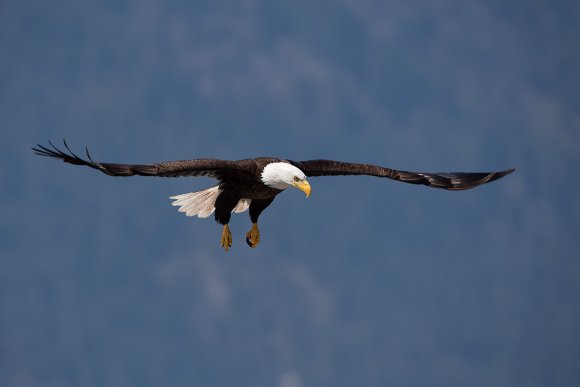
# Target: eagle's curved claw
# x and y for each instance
(226, 238)
(253, 236)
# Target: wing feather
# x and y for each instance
(442, 180)
(198, 167)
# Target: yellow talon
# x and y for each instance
(226, 238)
(253, 236)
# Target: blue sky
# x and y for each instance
(368, 282)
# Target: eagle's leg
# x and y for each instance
(256, 208)
(226, 238)
(253, 236)
(224, 204)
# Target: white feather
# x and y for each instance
(202, 203)
(242, 205)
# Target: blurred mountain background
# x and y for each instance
(368, 282)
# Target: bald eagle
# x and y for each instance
(253, 184)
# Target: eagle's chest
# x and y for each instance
(246, 188)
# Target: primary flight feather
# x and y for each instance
(252, 184)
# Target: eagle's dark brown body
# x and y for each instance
(242, 179)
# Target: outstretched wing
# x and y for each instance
(450, 181)
(198, 167)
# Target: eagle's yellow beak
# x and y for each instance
(303, 186)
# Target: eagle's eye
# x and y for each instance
(296, 178)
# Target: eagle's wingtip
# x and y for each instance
(506, 172)
(498, 175)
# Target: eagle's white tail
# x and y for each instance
(202, 203)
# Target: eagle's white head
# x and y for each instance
(282, 175)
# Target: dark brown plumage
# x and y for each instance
(449, 181)
(249, 184)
